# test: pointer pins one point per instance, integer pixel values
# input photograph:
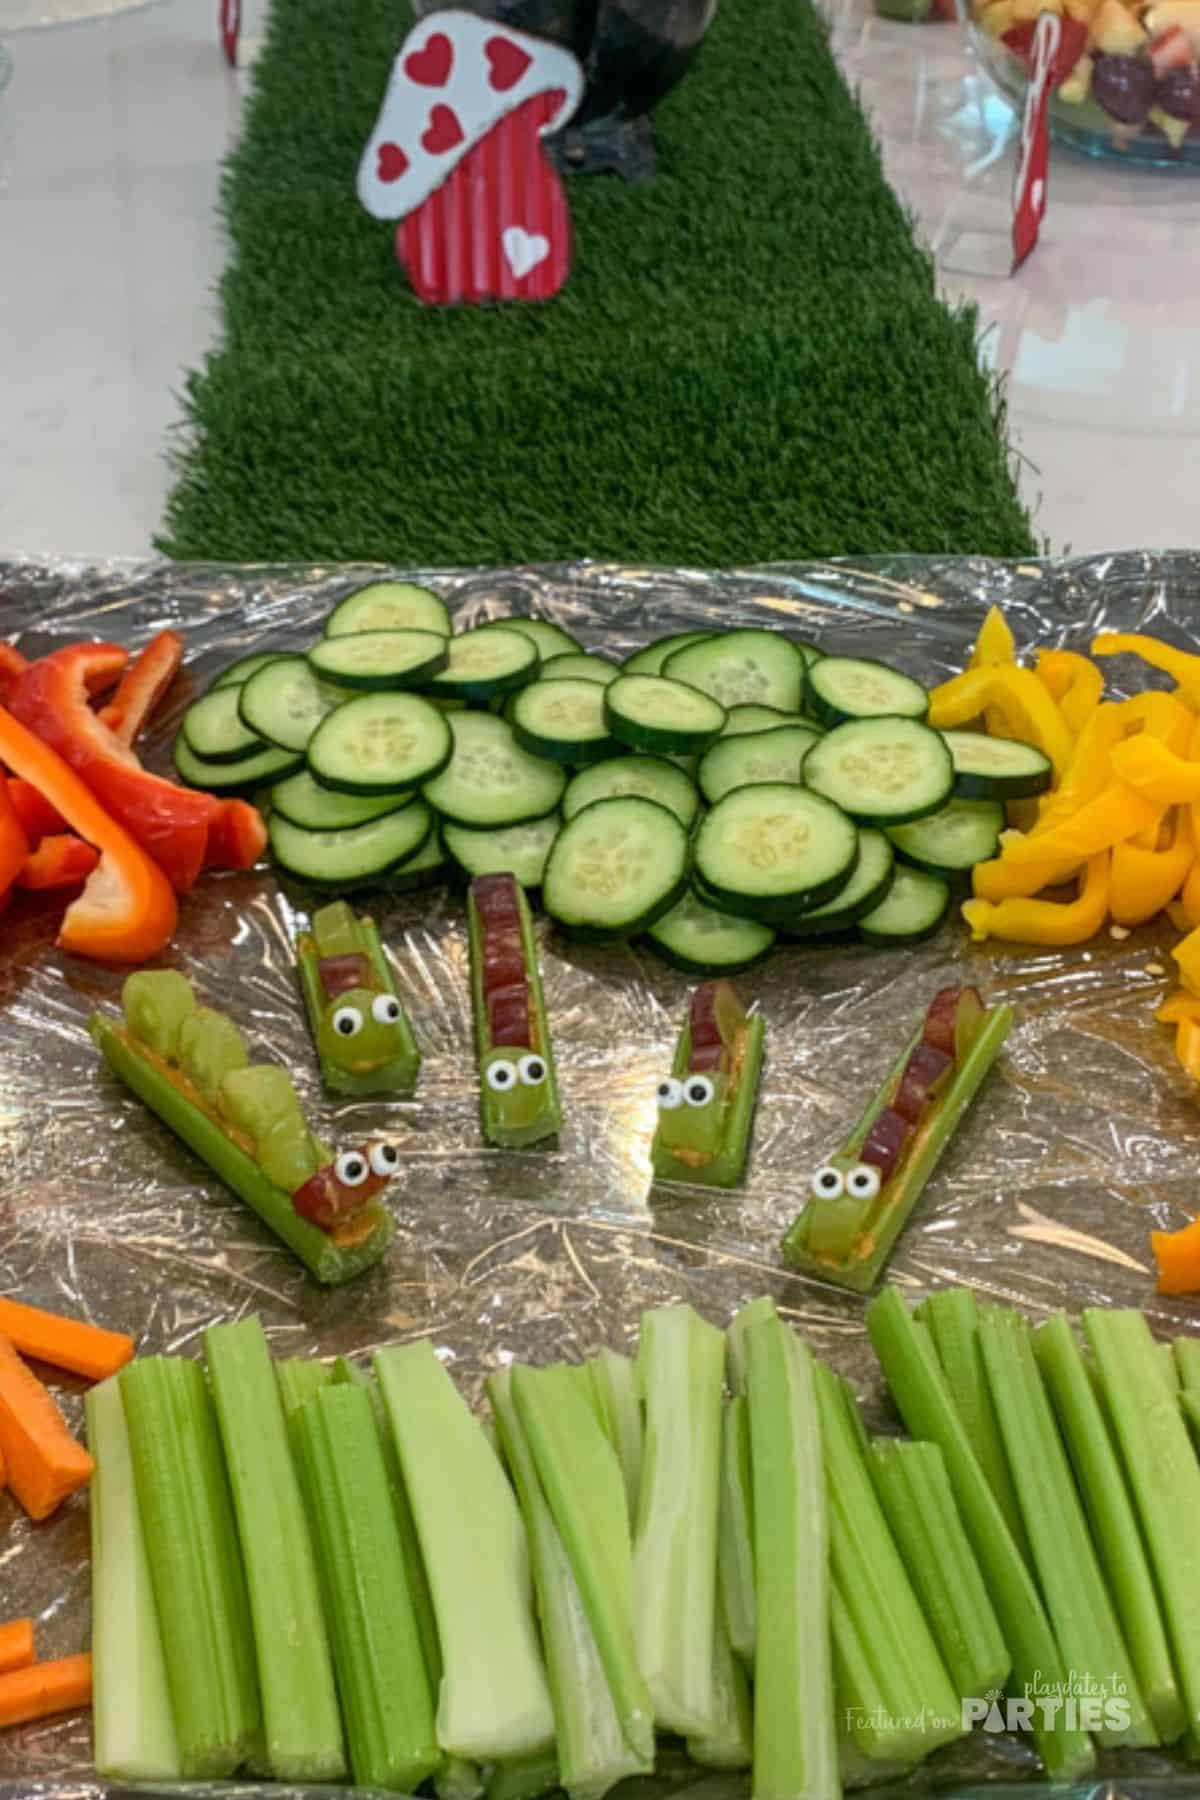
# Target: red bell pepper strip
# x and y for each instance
(12, 666)
(237, 837)
(38, 818)
(14, 845)
(61, 860)
(126, 912)
(143, 685)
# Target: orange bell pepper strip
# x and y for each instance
(1182, 667)
(127, 911)
(14, 845)
(61, 860)
(1027, 709)
(1144, 880)
(1074, 684)
(143, 685)
(1052, 922)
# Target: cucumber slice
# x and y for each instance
(776, 847)
(303, 802)
(563, 720)
(949, 843)
(429, 866)
(548, 640)
(882, 771)
(811, 653)
(754, 756)
(381, 659)
(741, 719)
(994, 768)
(579, 665)
(866, 889)
(378, 743)
(652, 712)
(286, 701)
(360, 853)
(485, 663)
(519, 850)
(837, 688)
(389, 606)
(653, 777)
(239, 672)
(213, 728)
(743, 668)
(650, 660)
(913, 908)
(489, 779)
(615, 868)
(697, 939)
(241, 777)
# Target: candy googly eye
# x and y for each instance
(502, 1076)
(698, 1090)
(384, 1160)
(828, 1183)
(532, 1070)
(863, 1182)
(386, 1009)
(347, 1021)
(670, 1094)
(352, 1168)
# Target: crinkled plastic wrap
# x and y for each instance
(1085, 1136)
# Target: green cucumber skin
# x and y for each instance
(686, 966)
(578, 755)
(491, 1104)
(323, 1259)
(727, 1167)
(399, 1076)
(972, 785)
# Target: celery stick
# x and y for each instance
(795, 1744)
(735, 1338)
(953, 1320)
(581, 1479)
(298, 1379)
(1189, 1403)
(528, 1779)
(456, 1779)
(1187, 1362)
(735, 1531)
(131, 1709)
(299, 1701)
(387, 1700)
(1114, 1524)
(927, 1407)
(680, 1366)
(593, 1748)
(195, 1563)
(1163, 1475)
(731, 1746)
(862, 1710)
(920, 1709)
(614, 1379)
(916, 1496)
(1170, 1370)
(494, 1702)
(1081, 1612)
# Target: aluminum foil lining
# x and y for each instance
(1085, 1137)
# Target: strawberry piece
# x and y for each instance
(1072, 43)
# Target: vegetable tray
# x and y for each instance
(1087, 1135)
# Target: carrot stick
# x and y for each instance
(16, 1645)
(66, 1343)
(45, 1688)
(45, 1463)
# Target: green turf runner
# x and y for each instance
(748, 362)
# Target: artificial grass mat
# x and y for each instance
(749, 361)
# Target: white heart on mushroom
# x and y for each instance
(524, 250)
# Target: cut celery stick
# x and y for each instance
(1081, 1612)
(735, 1531)
(195, 1563)
(680, 1367)
(909, 1697)
(457, 1779)
(614, 1379)
(581, 1479)
(918, 1500)
(927, 1407)
(387, 1700)
(525, 1780)
(298, 1379)
(132, 1725)
(1163, 1474)
(1189, 1402)
(303, 1728)
(731, 1746)
(1187, 1362)
(494, 1702)
(1114, 1524)
(953, 1321)
(593, 1751)
(795, 1743)
(1166, 1357)
(735, 1338)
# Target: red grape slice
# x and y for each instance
(926, 1072)
(885, 1141)
(496, 900)
(508, 1016)
(503, 961)
(338, 974)
(705, 1057)
(717, 1013)
(940, 1019)
(325, 1201)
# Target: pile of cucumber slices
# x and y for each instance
(712, 792)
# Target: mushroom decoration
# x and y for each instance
(457, 159)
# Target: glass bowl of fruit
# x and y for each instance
(1126, 77)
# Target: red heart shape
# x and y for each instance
(392, 162)
(507, 63)
(443, 131)
(431, 66)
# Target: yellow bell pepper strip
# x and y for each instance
(1187, 954)
(1187, 1046)
(1089, 769)
(1074, 684)
(1115, 814)
(1052, 922)
(1177, 1006)
(1161, 716)
(1177, 1255)
(1004, 879)
(1146, 764)
(1144, 880)
(1188, 903)
(1028, 711)
(1179, 664)
(994, 647)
